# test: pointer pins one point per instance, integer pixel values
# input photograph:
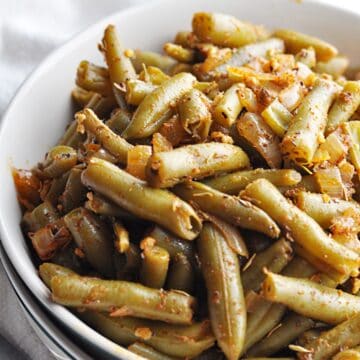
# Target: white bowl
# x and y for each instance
(38, 114)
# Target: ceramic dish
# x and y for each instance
(40, 111)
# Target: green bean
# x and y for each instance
(258, 139)
(172, 244)
(268, 358)
(231, 235)
(152, 111)
(91, 235)
(71, 137)
(74, 193)
(172, 340)
(271, 318)
(81, 96)
(220, 267)
(308, 336)
(115, 144)
(311, 299)
(302, 137)
(48, 270)
(180, 53)
(93, 78)
(180, 276)
(249, 52)
(344, 106)
(274, 258)
(149, 58)
(324, 211)
(120, 66)
(56, 188)
(350, 354)
(225, 30)
(291, 327)
(229, 107)
(168, 168)
(335, 66)
(122, 298)
(302, 228)
(183, 38)
(127, 264)
(136, 197)
(346, 334)
(42, 215)
(295, 41)
(101, 105)
(58, 161)
(299, 267)
(154, 266)
(101, 206)
(148, 352)
(235, 182)
(119, 120)
(137, 90)
(195, 115)
(228, 208)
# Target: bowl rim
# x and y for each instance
(61, 313)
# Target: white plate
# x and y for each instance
(38, 114)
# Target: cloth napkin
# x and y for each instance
(29, 30)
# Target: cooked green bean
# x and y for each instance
(247, 53)
(136, 197)
(101, 206)
(225, 30)
(172, 244)
(119, 120)
(302, 137)
(74, 193)
(42, 215)
(58, 161)
(127, 264)
(92, 236)
(122, 298)
(154, 266)
(101, 105)
(172, 340)
(235, 182)
(228, 208)
(302, 228)
(148, 352)
(344, 335)
(220, 267)
(180, 53)
(93, 78)
(344, 106)
(72, 137)
(290, 328)
(299, 268)
(137, 90)
(151, 112)
(149, 58)
(56, 188)
(350, 354)
(195, 115)
(295, 41)
(335, 66)
(180, 276)
(271, 318)
(48, 270)
(168, 168)
(311, 299)
(323, 210)
(274, 258)
(115, 144)
(120, 66)
(229, 107)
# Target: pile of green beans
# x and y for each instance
(204, 203)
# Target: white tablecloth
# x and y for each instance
(29, 30)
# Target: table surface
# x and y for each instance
(29, 31)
